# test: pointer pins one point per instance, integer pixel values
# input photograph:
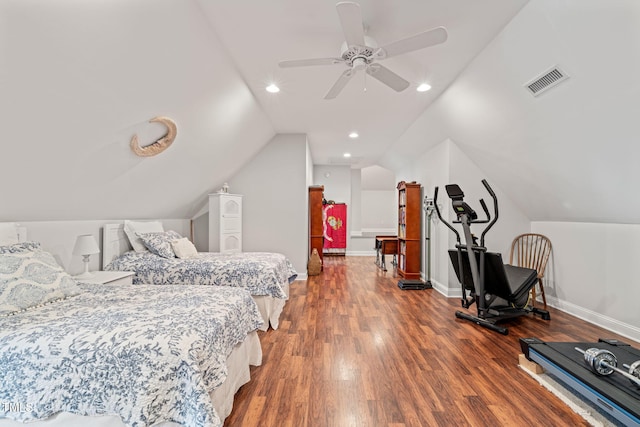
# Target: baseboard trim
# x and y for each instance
(613, 325)
(445, 290)
(361, 253)
(606, 322)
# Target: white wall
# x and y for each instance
(511, 221)
(309, 168)
(275, 199)
(592, 273)
(356, 201)
(201, 232)
(556, 153)
(377, 178)
(379, 210)
(59, 237)
(357, 243)
(432, 169)
(308, 183)
(379, 198)
(336, 181)
(374, 195)
(80, 79)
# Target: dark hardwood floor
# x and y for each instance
(355, 350)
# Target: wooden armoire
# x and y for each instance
(316, 239)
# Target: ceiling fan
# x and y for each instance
(361, 52)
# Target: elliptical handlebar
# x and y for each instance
(435, 204)
(495, 210)
(484, 208)
(489, 189)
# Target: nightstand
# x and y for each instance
(109, 278)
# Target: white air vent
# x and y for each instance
(545, 82)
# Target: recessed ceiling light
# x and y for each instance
(353, 135)
(423, 87)
(272, 88)
(347, 154)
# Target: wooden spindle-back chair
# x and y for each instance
(532, 250)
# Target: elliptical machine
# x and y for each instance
(500, 291)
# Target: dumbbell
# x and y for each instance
(634, 369)
(604, 362)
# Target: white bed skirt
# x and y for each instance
(271, 308)
(249, 352)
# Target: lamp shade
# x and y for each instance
(86, 245)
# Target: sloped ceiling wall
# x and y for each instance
(79, 79)
(376, 178)
(570, 154)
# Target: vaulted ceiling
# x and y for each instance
(259, 34)
(78, 79)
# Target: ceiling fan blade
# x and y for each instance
(309, 62)
(351, 21)
(339, 84)
(419, 41)
(388, 77)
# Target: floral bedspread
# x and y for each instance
(261, 273)
(145, 353)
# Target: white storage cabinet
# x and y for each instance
(225, 222)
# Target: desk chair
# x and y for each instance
(532, 250)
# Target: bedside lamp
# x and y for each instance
(86, 246)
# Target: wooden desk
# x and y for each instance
(386, 245)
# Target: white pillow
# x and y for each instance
(133, 227)
(183, 248)
(8, 233)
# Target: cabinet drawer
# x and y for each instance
(231, 242)
(230, 224)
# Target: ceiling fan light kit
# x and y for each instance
(360, 52)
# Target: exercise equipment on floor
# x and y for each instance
(593, 373)
(500, 291)
(604, 362)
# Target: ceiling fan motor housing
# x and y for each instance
(360, 52)
(360, 56)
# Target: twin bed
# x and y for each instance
(140, 355)
(121, 356)
(265, 275)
